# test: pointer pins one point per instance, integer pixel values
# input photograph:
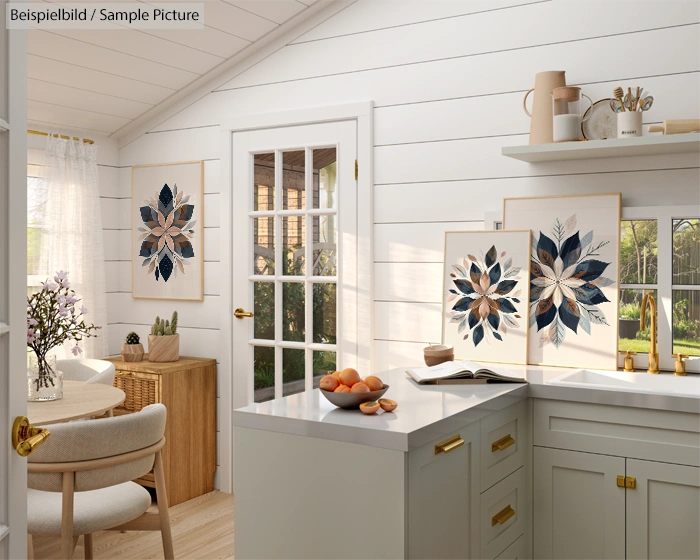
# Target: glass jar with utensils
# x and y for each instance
(567, 114)
(629, 108)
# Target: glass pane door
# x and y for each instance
(293, 275)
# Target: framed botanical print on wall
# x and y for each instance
(574, 277)
(485, 295)
(167, 232)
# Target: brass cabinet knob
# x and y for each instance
(502, 516)
(25, 437)
(503, 443)
(449, 445)
(239, 313)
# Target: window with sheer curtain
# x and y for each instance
(64, 231)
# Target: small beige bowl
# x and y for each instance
(438, 354)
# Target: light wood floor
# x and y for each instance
(202, 530)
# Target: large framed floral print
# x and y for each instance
(485, 295)
(167, 260)
(574, 277)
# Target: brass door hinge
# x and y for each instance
(627, 482)
(355, 170)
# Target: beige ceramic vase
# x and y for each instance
(163, 348)
(541, 123)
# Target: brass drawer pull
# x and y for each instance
(449, 445)
(626, 482)
(502, 516)
(124, 373)
(501, 444)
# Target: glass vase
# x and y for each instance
(44, 381)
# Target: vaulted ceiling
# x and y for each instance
(101, 80)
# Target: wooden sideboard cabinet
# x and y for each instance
(188, 389)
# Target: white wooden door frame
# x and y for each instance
(360, 112)
(13, 384)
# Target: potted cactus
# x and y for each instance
(164, 342)
(132, 349)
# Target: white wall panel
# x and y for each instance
(369, 15)
(111, 214)
(389, 354)
(414, 243)
(108, 178)
(416, 322)
(408, 282)
(192, 314)
(68, 117)
(212, 181)
(182, 145)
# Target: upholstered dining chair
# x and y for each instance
(87, 370)
(80, 480)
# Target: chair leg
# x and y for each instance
(67, 544)
(89, 547)
(162, 497)
(30, 547)
(109, 413)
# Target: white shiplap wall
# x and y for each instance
(447, 78)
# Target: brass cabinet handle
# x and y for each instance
(501, 444)
(626, 482)
(502, 516)
(239, 313)
(449, 445)
(25, 437)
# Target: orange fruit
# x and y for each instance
(369, 407)
(387, 405)
(342, 389)
(359, 388)
(336, 374)
(374, 383)
(329, 383)
(349, 377)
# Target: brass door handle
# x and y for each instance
(25, 437)
(449, 445)
(502, 516)
(501, 444)
(239, 313)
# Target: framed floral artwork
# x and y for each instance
(574, 277)
(167, 234)
(485, 295)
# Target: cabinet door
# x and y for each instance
(663, 511)
(579, 509)
(443, 499)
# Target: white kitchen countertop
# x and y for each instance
(427, 412)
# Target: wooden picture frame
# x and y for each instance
(574, 277)
(167, 204)
(486, 295)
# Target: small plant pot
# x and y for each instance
(163, 348)
(132, 352)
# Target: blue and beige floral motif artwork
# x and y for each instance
(486, 298)
(166, 233)
(167, 261)
(566, 277)
(574, 270)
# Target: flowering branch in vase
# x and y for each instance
(53, 318)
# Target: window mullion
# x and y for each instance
(308, 256)
(278, 272)
(665, 296)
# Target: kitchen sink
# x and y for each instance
(662, 384)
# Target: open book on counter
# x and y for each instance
(450, 373)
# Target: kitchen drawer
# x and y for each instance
(516, 551)
(657, 435)
(503, 443)
(504, 513)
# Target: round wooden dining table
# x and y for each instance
(80, 400)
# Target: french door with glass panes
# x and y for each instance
(294, 258)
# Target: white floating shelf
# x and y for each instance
(4, 328)
(615, 147)
(4, 126)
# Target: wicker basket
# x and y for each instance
(140, 391)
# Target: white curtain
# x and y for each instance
(74, 242)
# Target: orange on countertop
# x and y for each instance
(359, 388)
(374, 383)
(329, 383)
(349, 377)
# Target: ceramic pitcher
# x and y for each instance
(541, 123)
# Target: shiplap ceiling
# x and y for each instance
(101, 80)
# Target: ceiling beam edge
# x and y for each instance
(251, 55)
